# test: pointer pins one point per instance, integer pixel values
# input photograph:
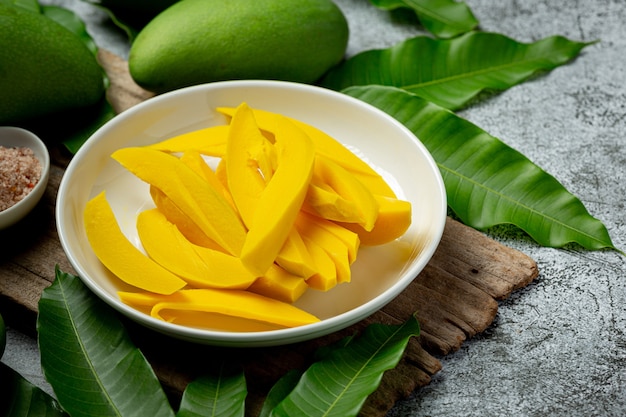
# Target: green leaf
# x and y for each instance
(487, 182)
(20, 398)
(279, 391)
(442, 18)
(89, 359)
(220, 395)
(452, 72)
(339, 384)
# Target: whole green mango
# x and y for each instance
(200, 41)
(44, 68)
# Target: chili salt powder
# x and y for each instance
(20, 171)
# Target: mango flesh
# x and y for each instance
(120, 256)
(200, 41)
(45, 69)
(263, 184)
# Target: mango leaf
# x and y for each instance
(221, 395)
(339, 384)
(279, 391)
(442, 18)
(487, 182)
(89, 359)
(452, 72)
(20, 398)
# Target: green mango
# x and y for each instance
(200, 41)
(44, 68)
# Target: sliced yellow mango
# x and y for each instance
(331, 176)
(119, 255)
(206, 206)
(281, 199)
(394, 219)
(235, 303)
(209, 141)
(327, 146)
(193, 159)
(348, 237)
(279, 284)
(166, 245)
(326, 276)
(228, 267)
(247, 163)
(327, 204)
(187, 227)
(294, 256)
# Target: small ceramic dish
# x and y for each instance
(15, 137)
(379, 274)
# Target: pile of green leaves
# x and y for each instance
(95, 369)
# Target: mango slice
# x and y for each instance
(280, 284)
(187, 227)
(281, 199)
(326, 276)
(327, 146)
(349, 238)
(210, 141)
(337, 180)
(394, 219)
(247, 163)
(167, 246)
(294, 256)
(191, 194)
(120, 256)
(235, 303)
(193, 159)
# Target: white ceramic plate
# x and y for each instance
(379, 274)
(17, 137)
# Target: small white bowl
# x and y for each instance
(379, 274)
(18, 137)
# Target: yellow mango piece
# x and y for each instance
(327, 146)
(332, 178)
(294, 256)
(119, 255)
(350, 239)
(187, 227)
(281, 200)
(205, 205)
(235, 303)
(333, 245)
(193, 159)
(326, 276)
(210, 141)
(225, 265)
(394, 218)
(279, 284)
(166, 245)
(247, 163)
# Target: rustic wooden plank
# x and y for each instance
(454, 298)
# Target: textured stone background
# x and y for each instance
(558, 347)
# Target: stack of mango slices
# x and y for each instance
(285, 210)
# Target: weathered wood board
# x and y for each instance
(455, 297)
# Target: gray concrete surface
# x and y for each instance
(558, 347)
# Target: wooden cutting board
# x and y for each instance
(455, 296)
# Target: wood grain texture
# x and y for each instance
(455, 297)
